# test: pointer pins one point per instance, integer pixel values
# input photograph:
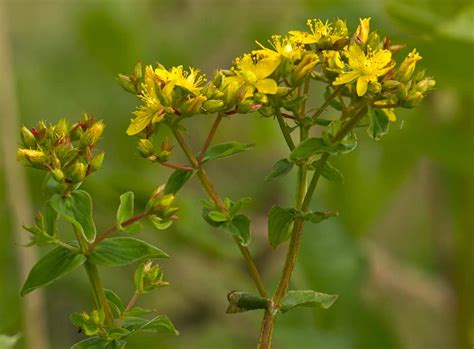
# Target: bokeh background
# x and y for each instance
(400, 255)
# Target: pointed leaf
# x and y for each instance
(99, 343)
(119, 251)
(225, 149)
(331, 173)
(309, 147)
(51, 267)
(177, 180)
(379, 123)
(280, 221)
(316, 217)
(115, 303)
(125, 212)
(239, 227)
(280, 168)
(159, 324)
(218, 217)
(306, 298)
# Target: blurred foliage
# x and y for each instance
(412, 193)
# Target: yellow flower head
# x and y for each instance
(189, 80)
(255, 73)
(283, 48)
(152, 110)
(362, 32)
(407, 67)
(365, 68)
(320, 31)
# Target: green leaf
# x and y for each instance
(51, 267)
(239, 226)
(225, 149)
(331, 173)
(316, 217)
(306, 298)
(160, 223)
(99, 343)
(205, 214)
(159, 324)
(280, 221)
(177, 180)
(236, 206)
(120, 251)
(240, 302)
(115, 303)
(50, 220)
(125, 212)
(379, 123)
(280, 168)
(76, 209)
(218, 217)
(137, 311)
(309, 147)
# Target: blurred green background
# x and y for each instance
(400, 255)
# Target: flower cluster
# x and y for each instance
(359, 66)
(65, 151)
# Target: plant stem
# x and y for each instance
(102, 236)
(214, 196)
(328, 101)
(210, 136)
(285, 131)
(176, 166)
(96, 282)
(131, 302)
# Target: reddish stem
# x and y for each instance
(209, 138)
(176, 166)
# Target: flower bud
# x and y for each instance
(127, 84)
(413, 99)
(193, 105)
(93, 134)
(57, 174)
(425, 85)
(260, 98)
(78, 172)
(163, 156)
(97, 161)
(304, 68)
(148, 277)
(61, 128)
(145, 147)
(35, 157)
(138, 70)
(218, 78)
(245, 107)
(391, 85)
(407, 67)
(27, 137)
(362, 32)
(213, 105)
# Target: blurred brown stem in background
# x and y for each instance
(34, 318)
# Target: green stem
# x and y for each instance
(336, 92)
(285, 131)
(214, 196)
(94, 278)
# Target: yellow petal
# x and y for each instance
(390, 114)
(266, 67)
(138, 124)
(267, 86)
(346, 78)
(361, 86)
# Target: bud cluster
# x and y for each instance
(148, 277)
(65, 151)
(159, 208)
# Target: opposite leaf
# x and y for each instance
(225, 149)
(280, 168)
(239, 226)
(331, 173)
(177, 180)
(306, 298)
(54, 265)
(125, 212)
(279, 225)
(379, 123)
(76, 209)
(120, 251)
(159, 324)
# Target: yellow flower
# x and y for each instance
(320, 31)
(255, 74)
(190, 81)
(362, 32)
(365, 68)
(35, 156)
(407, 67)
(152, 110)
(283, 48)
(333, 60)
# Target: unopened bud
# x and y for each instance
(407, 67)
(57, 174)
(304, 68)
(218, 78)
(127, 84)
(27, 137)
(138, 70)
(163, 156)
(245, 106)
(97, 161)
(362, 32)
(35, 157)
(260, 98)
(145, 147)
(61, 127)
(78, 173)
(413, 99)
(425, 85)
(213, 105)
(193, 105)
(390, 85)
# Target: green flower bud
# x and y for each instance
(27, 137)
(78, 172)
(145, 147)
(138, 72)
(97, 161)
(57, 174)
(93, 134)
(193, 105)
(127, 84)
(425, 85)
(218, 78)
(260, 98)
(61, 127)
(245, 106)
(304, 68)
(413, 99)
(36, 157)
(407, 67)
(163, 156)
(148, 277)
(213, 105)
(390, 85)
